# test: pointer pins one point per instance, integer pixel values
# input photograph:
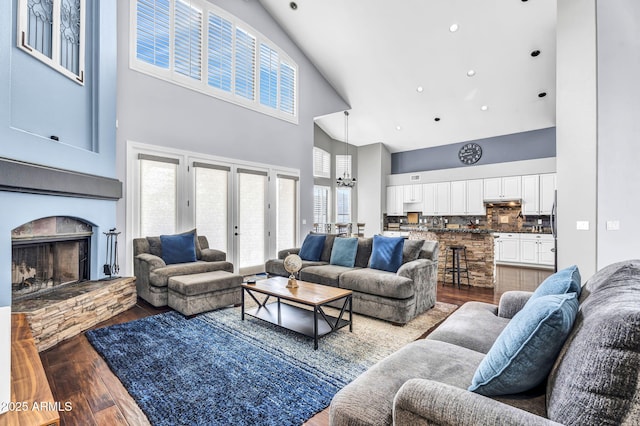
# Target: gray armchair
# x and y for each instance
(152, 273)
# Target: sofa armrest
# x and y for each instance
(151, 262)
(424, 274)
(212, 255)
(427, 402)
(284, 253)
(511, 302)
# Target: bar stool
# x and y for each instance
(455, 269)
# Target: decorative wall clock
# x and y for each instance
(470, 153)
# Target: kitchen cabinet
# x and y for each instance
(395, 196)
(507, 247)
(467, 198)
(436, 199)
(547, 192)
(538, 193)
(503, 188)
(537, 249)
(412, 193)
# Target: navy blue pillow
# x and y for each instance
(386, 254)
(312, 247)
(179, 248)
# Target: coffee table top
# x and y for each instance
(306, 292)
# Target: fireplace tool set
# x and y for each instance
(111, 267)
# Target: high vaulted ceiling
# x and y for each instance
(378, 53)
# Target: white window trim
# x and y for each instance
(22, 24)
(202, 86)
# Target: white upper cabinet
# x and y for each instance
(436, 198)
(466, 197)
(547, 192)
(412, 193)
(538, 193)
(507, 188)
(395, 195)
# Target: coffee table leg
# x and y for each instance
(242, 304)
(350, 314)
(315, 327)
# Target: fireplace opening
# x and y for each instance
(47, 254)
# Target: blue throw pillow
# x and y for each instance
(523, 354)
(386, 254)
(312, 247)
(179, 248)
(564, 281)
(344, 252)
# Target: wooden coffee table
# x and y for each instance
(296, 318)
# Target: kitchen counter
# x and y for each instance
(480, 252)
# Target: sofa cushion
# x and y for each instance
(595, 379)
(524, 352)
(379, 283)
(344, 251)
(312, 247)
(364, 252)
(159, 277)
(411, 250)
(386, 254)
(325, 275)
(178, 248)
(276, 266)
(564, 281)
(155, 244)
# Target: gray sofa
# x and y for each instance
(595, 380)
(396, 297)
(152, 274)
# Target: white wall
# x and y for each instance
(5, 357)
(156, 112)
(618, 130)
(374, 164)
(576, 133)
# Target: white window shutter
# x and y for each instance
(188, 39)
(321, 163)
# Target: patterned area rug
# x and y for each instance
(215, 369)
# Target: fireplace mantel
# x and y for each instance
(18, 176)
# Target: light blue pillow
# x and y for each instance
(386, 254)
(523, 354)
(312, 247)
(344, 252)
(564, 281)
(179, 248)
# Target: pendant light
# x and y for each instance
(346, 180)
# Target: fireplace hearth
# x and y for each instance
(49, 253)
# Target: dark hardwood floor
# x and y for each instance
(76, 372)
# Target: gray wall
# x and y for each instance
(500, 149)
(576, 133)
(374, 163)
(334, 147)
(156, 112)
(618, 129)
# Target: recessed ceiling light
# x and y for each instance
(484, 107)
(471, 73)
(436, 119)
(419, 89)
(453, 28)
(542, 94)
(293, 5)
(535, 53)
(398, 128)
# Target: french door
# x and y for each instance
(250, 228)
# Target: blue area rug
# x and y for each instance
(215, 369)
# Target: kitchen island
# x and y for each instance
(480, 252)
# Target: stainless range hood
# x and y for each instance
(503, 202)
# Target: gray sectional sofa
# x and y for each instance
(595, 379)
(396, 297)
(152, 274)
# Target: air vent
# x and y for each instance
(414, 178)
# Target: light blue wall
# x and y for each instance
(500, 149)
(156, 112)
(37, 101)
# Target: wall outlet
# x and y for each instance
(539, 221)
(477, 221)
(446, 220)
(613, 225)
(582, 225)
(304, 221)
